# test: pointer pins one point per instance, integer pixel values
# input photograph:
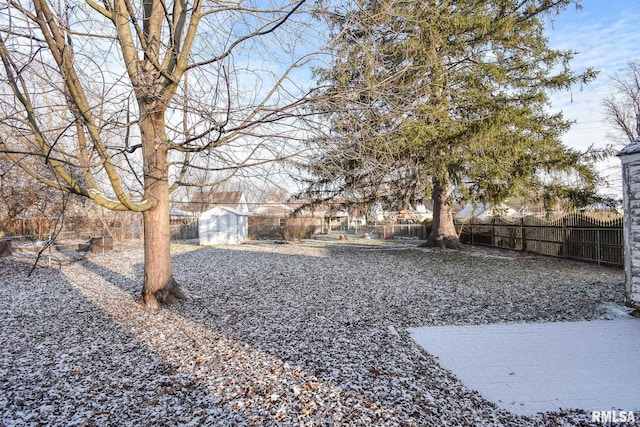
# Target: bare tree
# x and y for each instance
(21, 197)
(120, 98)
(16, 196)
(622, 110)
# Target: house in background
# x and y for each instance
(176, 214)
(486, 210)
(422, 212)
(376, 213)
(202, 202)
(183, 224)
(275, 220)
(223, 226)
(272, 213)
(614, 208)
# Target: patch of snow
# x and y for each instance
(615, 311)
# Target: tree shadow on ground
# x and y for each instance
(65, 360)
(339, 314)
(312, 328)
(170, 368)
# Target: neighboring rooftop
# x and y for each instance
(204, 201)
(632, 148)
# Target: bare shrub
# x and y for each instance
(298, 228)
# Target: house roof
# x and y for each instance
(218, 198)
(175, 212)
(273, 209)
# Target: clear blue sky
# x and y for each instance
(606, 33)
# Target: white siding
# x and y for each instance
(222, 226)
(631, 191)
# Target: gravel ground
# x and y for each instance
(305, 334)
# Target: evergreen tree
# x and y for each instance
(452, 94)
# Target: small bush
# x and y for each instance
(296, 229)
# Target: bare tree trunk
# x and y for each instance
(443, 231)
(159, 284)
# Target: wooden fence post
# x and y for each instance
(565, 242)
(493, 231)
(598, 247)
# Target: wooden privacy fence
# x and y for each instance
(575, 236)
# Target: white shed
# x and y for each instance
(223, 226)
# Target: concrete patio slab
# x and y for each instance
(541, 367)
